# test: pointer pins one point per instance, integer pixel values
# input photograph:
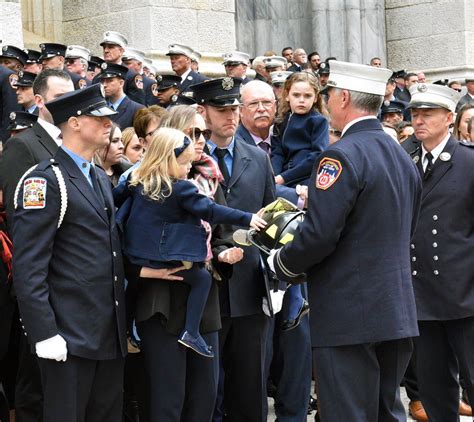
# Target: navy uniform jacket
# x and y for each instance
(20, 153)
(295, 151)
(150, 88)
(443, 244)
(125, 113)
(171, 229)
(250, 188)
(192, 79)
(69, 281)
(8, 100)
(354, 242)
(79, 82)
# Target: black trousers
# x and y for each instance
(82, 390)
(183, 384)
(242, 343)
(447, 346)
(28, 389)
(361, 382)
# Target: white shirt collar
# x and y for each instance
(353, 122)
(435, 152)
(52, 130)
(185, 75)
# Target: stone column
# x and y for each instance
(434, 36)
(351, 30)
(10, 23)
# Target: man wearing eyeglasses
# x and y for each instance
(77, 61)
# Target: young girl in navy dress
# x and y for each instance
(303, 132)
(164, 228)
(301, 135)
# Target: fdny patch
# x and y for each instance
(139, 81)
(34, 193)
(13, 79)
(82, 84)
(329, 171)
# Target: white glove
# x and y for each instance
(277, 302)
(52, 348)
(271, 258)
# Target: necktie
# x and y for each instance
(429, 166)
(95, 185)
(221, 153)
(265, 147)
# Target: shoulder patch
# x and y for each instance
(328, 172)
(139, 81)
(13, 79)
(34, 193)
(82, 83)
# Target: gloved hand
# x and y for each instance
(277, 302)
(52, 348)
(271, 258)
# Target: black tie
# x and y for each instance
(95, 185)
(221, 153)
(429, 166)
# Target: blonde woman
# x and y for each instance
(163, 230)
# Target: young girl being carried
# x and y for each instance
(163, 226)
(302, 132)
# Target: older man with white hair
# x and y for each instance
(354, 244)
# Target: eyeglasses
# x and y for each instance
(70, 61)
(267, 104)
(195, 133)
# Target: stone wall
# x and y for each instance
(431, 35)
(10, 23)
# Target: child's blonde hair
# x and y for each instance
(160, 161)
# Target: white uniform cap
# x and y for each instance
(132, 53)
(149, 64)
(235, 58)
(275, 61)
(180, 49)
(358, 77)
(113, 37)
(433, 96)
(196, 56)
(279, 77)
(77, 52)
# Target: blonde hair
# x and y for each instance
(180, 117)
(284, 106)
(127, 136)
(160, 162)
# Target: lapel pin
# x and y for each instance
(445, 156)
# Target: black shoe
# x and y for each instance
(289, 324)
(198, 344)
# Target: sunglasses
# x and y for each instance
(195, 133)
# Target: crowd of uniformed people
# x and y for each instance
(123, 295)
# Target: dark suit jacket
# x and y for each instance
(442, 263)
(354, 241)
(465, 99)
(192, 79)
(294, 68)
(19, 154)
(8, 101)
(69, 281)
(125, 113)
(280, 190)
(250, 188)
(402, 95)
